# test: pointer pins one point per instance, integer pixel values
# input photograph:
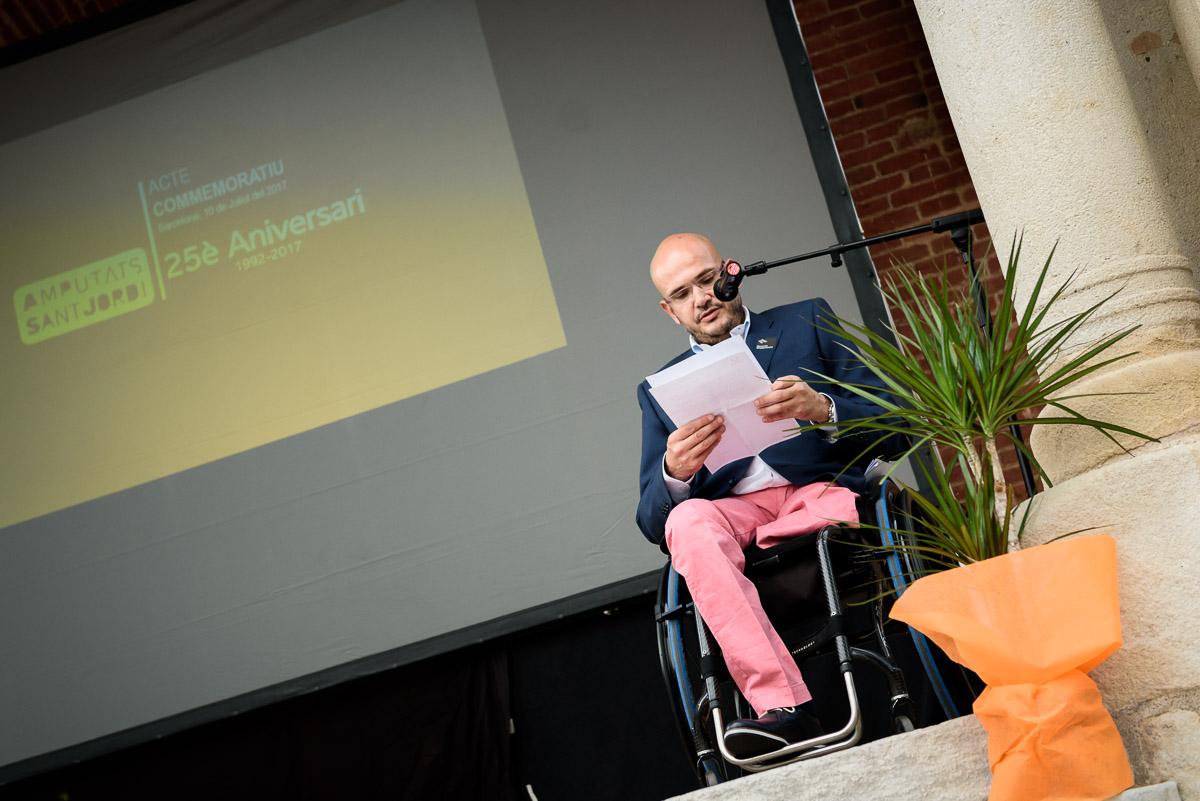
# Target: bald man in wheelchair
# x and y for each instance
(705, 520)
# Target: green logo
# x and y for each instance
(83, 296)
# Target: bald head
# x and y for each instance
(683, 270)
(677, 249)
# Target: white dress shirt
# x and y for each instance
(759, 475)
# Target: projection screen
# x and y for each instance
(321, 326)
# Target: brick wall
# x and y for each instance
(892, 130)
(22, 20)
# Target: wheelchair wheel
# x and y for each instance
(677, 657)
(954, 687)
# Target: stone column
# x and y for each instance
(1186, 16)
(1080, 123)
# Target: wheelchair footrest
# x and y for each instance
(845, 737)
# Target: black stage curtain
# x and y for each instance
(573, 711)
(434, 730)
(592, 717)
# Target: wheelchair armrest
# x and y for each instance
(876, 471)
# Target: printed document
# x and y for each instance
(724, 379)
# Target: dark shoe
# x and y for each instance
(776, 728)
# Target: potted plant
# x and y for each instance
(1030, 622)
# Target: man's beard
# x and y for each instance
(737, 318)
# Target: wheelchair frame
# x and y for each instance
(706, 744)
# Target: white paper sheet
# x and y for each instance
(724, 379)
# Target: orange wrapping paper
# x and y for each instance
(1031, 624)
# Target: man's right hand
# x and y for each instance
(689, 445)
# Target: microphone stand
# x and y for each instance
(958, 226)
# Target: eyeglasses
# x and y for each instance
(705, 281)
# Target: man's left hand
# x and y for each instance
(792, 399)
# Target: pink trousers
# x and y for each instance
(706, 539)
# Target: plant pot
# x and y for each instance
(1031, 624)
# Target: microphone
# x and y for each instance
(726, 288)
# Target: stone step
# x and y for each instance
(947, 762)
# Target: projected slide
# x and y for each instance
(290, 240)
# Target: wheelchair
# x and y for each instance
(827, 595)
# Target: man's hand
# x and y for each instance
(790, 398)
(689, 445)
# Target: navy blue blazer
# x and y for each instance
(800, 345)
